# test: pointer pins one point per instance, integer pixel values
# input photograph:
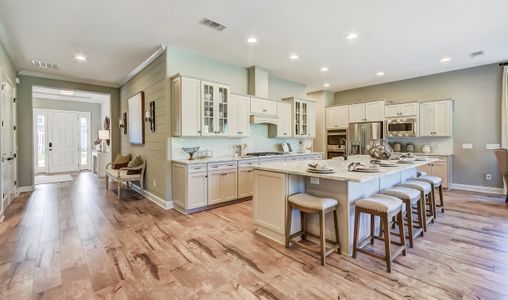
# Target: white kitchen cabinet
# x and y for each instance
(311, 114)
(190, 184)
(283, 128)
(215, 109)
(441, 168)
(401, 110)
(239, 120)
(245, 182)
(304, 117)
(367, 112)
(337, 117)
(436, 118)
(222, 186)
(185, 103)
(259, 106)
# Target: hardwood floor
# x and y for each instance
(74, 240)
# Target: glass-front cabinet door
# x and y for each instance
(305, 119)
(215, 108)
(224, 106)
(298, 120)
(207, 108)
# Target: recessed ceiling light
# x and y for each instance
(80, 57)
(380, 73)
(352, 36)
(293, 56)
(326, 85)
(324, 69)
(445, 59)
(252, 40)
(67, 93)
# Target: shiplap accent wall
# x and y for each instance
(152, 81)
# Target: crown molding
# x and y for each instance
(146, 62)
(8, 48)
(69, 78)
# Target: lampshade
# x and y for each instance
(104, 134)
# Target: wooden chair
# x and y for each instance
(309, 204)
(502, 162)
(121, 175)
(386, 207)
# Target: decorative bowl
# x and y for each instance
(190, 151)
(380, 149)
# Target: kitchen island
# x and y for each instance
(275, 182)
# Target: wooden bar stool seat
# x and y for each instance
(426, 194)
(410, 197)
(386, 207)
(309, 204)
(436, 182)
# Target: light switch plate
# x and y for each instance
(467, 146)
(314, 180)
(492, 146)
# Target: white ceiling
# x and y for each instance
(402, 38)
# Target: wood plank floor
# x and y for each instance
(75, 240)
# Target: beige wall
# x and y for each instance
(476, 118)
(323, 99)
(152, 81)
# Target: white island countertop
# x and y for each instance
(341, 168)
(239, 158)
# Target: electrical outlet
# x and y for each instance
(488, 177)
(314, 180)
(155, 183)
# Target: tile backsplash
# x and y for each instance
(222, 147)
(437, 145)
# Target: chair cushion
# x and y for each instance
(123, 174)
(418, 185)
(403, 193)
(382, 203)
(421, 173)
(135, 162)
(313, 202)
(436, 181)
(121, 161)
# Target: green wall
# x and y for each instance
(25, 118)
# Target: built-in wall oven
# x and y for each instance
(336, 143)
(401, 127)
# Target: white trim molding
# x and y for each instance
(155, 199)
(478, 188)
(23, 189)
(143, 65)
(68, 78)
(4, 40)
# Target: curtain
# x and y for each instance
(504, 109)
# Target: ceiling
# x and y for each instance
(401, 38)
(69, 95)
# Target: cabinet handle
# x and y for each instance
(264, 110)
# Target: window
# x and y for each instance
(83, 141)
(41, 141)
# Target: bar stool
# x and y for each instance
(310, 204)
(386, 207)
(426, 194)
(435, 182)
(410, 197)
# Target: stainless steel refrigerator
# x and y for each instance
(361, 134)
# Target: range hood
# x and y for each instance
(263, 119)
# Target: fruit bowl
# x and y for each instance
(190, 151)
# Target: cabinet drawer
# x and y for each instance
(312, 156)
(196, 168)
(271, 160)
(247, 163)
(222, 165)
(293, 158)
(262, 106)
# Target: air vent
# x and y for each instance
(476, 53)
(212, 24)
(45, 64)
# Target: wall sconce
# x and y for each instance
(123, 123)
(150, 116)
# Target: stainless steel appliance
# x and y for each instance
(336, 143)
(405, 127)
(361, 134)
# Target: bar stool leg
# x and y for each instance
(421, 216)
(388, 254)
(441, 197)
(431, 208)
(423, 205)
(303, 224)
(409, 216)
(372, 228)
(323, 236)
(355, 237)
(434, 197)
(401, 232)
(336, 223)
(288, 223)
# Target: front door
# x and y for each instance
(63, 142)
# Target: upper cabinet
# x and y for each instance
(215, 108)
(239, 119)
(185, 102)
(304, 117)
(337, 117)
(436, 118)
(259, 106)
(367, 112)
(401, 110)
(283, 127)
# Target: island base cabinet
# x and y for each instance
(222, 186)
(245, 182)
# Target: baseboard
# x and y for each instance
(23, 189)
(155, 199)
(478, 188)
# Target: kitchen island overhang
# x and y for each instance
(273, 183)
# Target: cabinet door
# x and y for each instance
(332, 118)
(208, 111)
(223, 108)
(297, 124)
(242, 115)
(356, 113)
(284, 125)
(343, 116)
(245, 182)
(427, 119)
(392, 111)
(229, 185)
(443, 118)
(440, 169)
(425, 168)
(214, 187)
(263, 107)
(375, 111)
(197, 188)
(311, 120)
(409, 109)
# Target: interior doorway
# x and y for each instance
(8, 145)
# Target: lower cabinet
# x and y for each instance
(245, 182)
(190, 186)
(441, 168)
(222, 186)
(197, 186)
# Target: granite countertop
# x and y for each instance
(340, 166)
(232, 158)
(426, 154)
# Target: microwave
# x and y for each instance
(401, 127)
